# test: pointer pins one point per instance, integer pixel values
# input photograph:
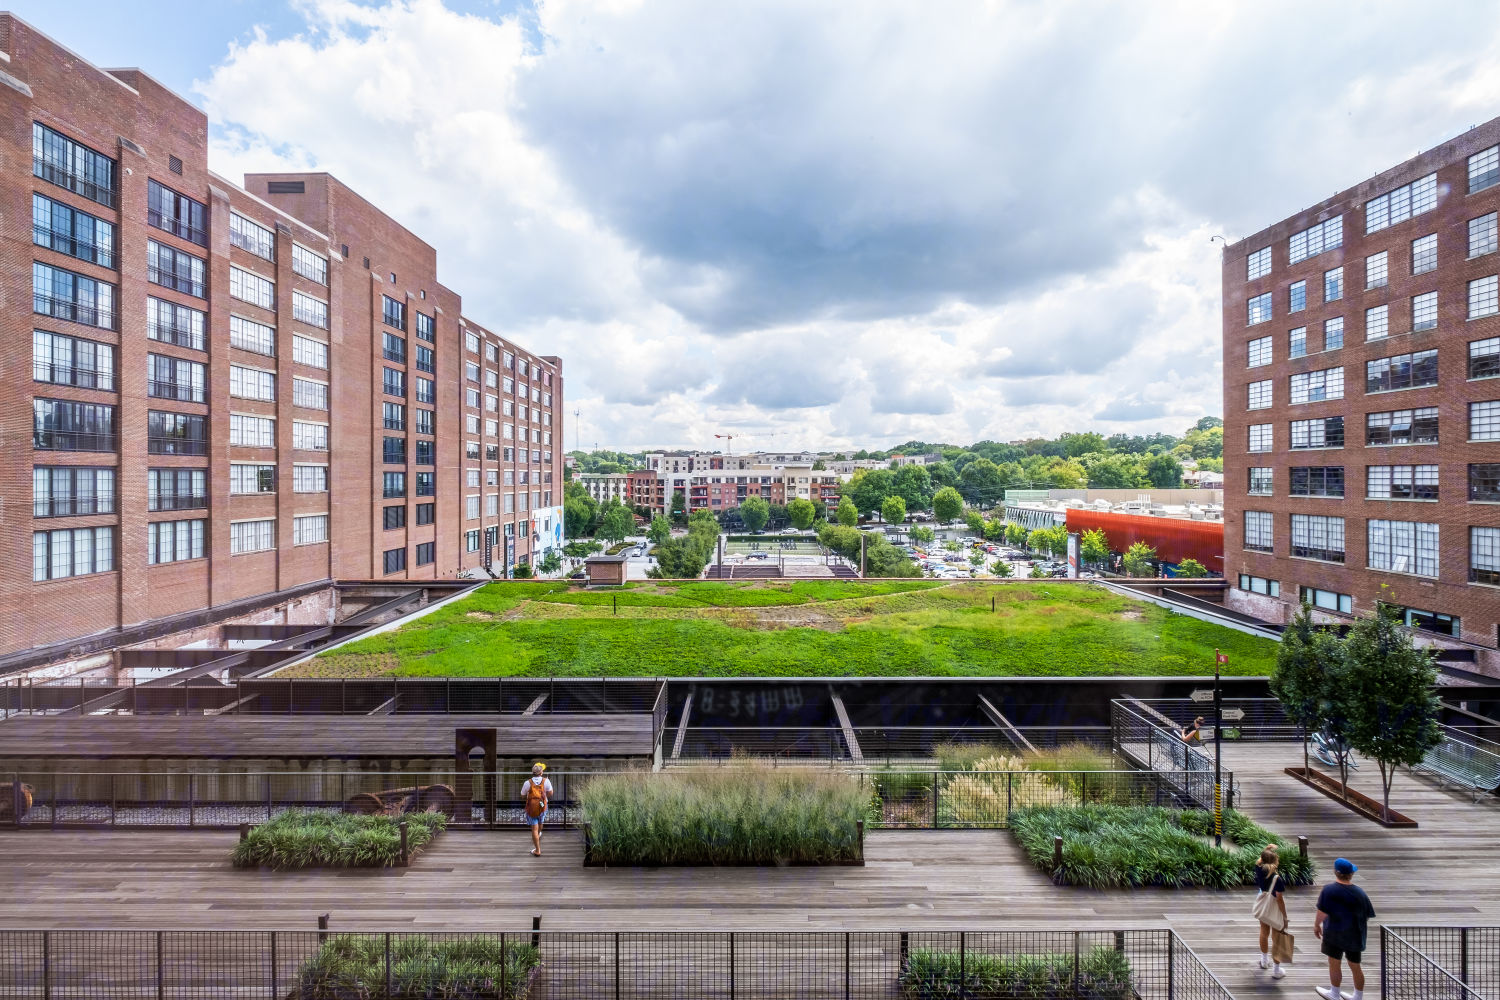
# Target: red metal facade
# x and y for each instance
(1173, 538)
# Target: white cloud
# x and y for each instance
(812, 222)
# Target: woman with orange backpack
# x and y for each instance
(535, 795)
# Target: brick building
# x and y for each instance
(220, 391)
(1361, 399)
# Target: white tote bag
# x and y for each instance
(1265, 909)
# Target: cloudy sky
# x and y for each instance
(828, 223)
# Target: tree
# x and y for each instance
(840, 538)
(975, 521)
(660, 530)
(1393, 710)
(1309, 663)
(914, 486)
(521, 572)
(947, 504)
(1190, 569)
(847, 513)
(942, 474)
(980, 482)
(1052, 540)
(893, 509)
(1003, 568)
(1113, 472)
(1015, 533)
(754, 511)
(1164, 472)
(819, 466)
(581, 550)
(1207, 423)
(1138, 560)
(1037, 573)
(868, 489)
(615, 523)
(977, 558)
(551, 562)
(921, 536)
(679, 507)
(578, 515)
(994, 530)
(884, 559)
(1082, 444)
(678, 559)
(1093, 546)
(801, 512)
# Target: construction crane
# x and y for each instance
(730, 438)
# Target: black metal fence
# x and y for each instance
(985, 799)
(1439, 963)
(1140, 736)
(699, 965)
(872, 743)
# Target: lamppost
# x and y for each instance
(1219, 660)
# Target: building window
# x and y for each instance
(1257, 530)
(309, 479)
(471, 342)
(251, 237)
(426, 328)
(248, 335)
(1313, 387)
(310, 529)
(176, 434)
(1424, 254)
(1326, 235)
(426, 390)
(1403, 547)
(73, 297)
(176, 214)
(393, 517)
(252, 478)
(61, 360)
(394, 560)
(174, 269)
(492, 428)
(1424, 312)
(426, 513)
(306, 309)
(1333, 333)
(393, 313)
(252, 536)
(309, 394)
(1260, 352)
(1484, 237)
(252, 288)
(1377, 323)
(176, 489)
(246, 431)
(426, 360)
(425, 452)
(1484, 169)
(393, 451)
(1318, 537)
(1404, 371)
(1484, 297)
(173, 541)
(309, 437)
(174, 378)
(1401, 204)
(393, 348)
(424, 421)
(313, 353)
(394, 416)
(1328, 600)
(58, 227)
(1260, 482)
(1333, 284)
(63, 491)
(471, 507)
(56, 555)
(1376, 270)
(1484, 421)
(1484, 555)
(492, 505)
(471, 371)
(72, 166)
(170, 323)
(394, 485)
(1296, 297)
(471, 398)
(1484, 358)
(471, 540)
(1318, 481)
(426, 484)
(426, 553)
(1401, 482)
(1258, 264)
(1260, 585)
(393, 382)
(252, 383)
(1259, 395)
(1297, 343)
(1416, 426)
(312, 266)
(1484, 482)
(1258, 309)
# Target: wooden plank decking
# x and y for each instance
(1447, 871)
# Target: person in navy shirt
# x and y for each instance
(1342, 922)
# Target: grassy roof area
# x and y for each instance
(891, 628)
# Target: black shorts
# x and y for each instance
(1336, 953)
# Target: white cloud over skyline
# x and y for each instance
(843, 224)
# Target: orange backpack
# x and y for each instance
(536, 798)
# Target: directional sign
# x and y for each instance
(1232, 714)
(1203, 694)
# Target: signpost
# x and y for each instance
(1203, 694)
(1219, 660)
(1233, 714)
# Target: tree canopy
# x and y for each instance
(801, 512)
(755, 512)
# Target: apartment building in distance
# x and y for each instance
(717, 482)
(1362, 399)
(221, 391)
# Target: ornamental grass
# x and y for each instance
(1101, 974)
(748, 814)
(353, 967)
(299, 839)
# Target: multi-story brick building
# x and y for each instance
(224, 391)
(1361, 399)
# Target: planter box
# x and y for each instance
(1358, 802)
(856, 862)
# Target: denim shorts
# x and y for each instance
(537, 820)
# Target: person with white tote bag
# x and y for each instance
(1270, 908)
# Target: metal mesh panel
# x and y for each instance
(1440, 962)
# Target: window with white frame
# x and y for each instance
(1397, 206)
(1403, 547)
(1402, 371)
(1260, 482)
(1326, 235)
(1484, 421)
(247, 431)
(247, 478)
(471, 371)
(251, 236)
(1258, 309)
(1325, 433)
(1484, 169)
(1316, 481)
(174, 541)
(1484, 358)
(1424, 313)
(471, 507)
(1333, 284)
(309, 529)
(1297, 343)
(1424, 254)
(1258, 531)
(248, 335)
(252, 536)
(1296, 302)
(72, 552)
(306, 309)
(491, 505)
(471, 398)
(1484, 555)
(309, 436)
(1484, 296)
(471, 342)
(310, 265)
(491, 402)
(1318, 537)
(491, 428)
(1333, 333)
(1258, 264)
(1401, 482)
(306, 351)
(471, 423)
(1484, 235)
(1402, 427)
(252, 288)
(1260, 438)
(471, 478)
(309, 479)
(1314, 387)
(310, 394)
(1260, 352)
(1376, 271)
(1260, 395)
(252, 383)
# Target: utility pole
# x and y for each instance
(1219, 660)
(576, 446)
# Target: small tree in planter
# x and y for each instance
(1393, 709)
(1307, 659)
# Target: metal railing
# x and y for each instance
(1143, 740)
(874, 742)
(1151, 964)
(73, 310)
(1439, 963)
(1464, 758)
(1264, 719)
(933, 800)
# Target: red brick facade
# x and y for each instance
(1379, 561)
(264, 318)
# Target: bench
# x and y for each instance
(1475, 769)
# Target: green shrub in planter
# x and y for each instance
(298, 839)
(1103, 974)
(742, 815)
(353, 966)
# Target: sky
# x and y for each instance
(827, 224)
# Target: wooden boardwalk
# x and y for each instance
(1445, 872)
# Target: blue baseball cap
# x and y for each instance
(1343, 866)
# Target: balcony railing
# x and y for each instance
(171, 279)
(175, 446)
(48, 440)
(73, 506)
(77, 183)
(174, 333)
(176, 227)
(76, 312)
(174, 501)
(182, 391)
(83, 378)
(65, 242)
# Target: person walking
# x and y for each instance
(1193, 732)
(536, 793)
(1342, 921)
(1270, 905)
